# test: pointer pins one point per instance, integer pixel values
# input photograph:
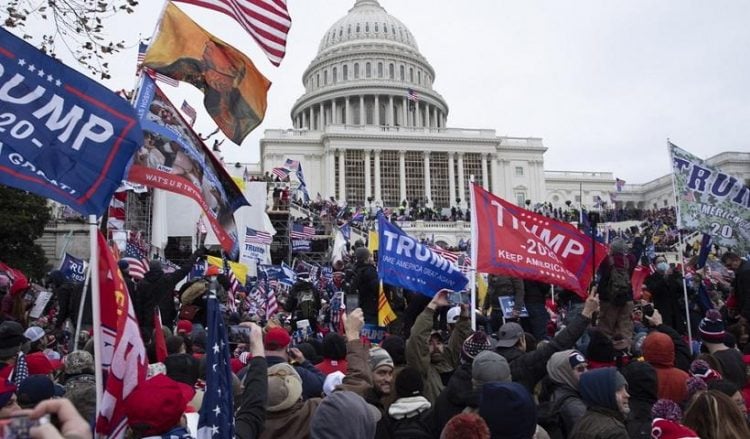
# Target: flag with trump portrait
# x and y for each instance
(63, 136)
(520, 243)
(234, 91)
(173, 158)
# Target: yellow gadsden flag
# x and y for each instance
(234, 90)
(385, 312)
(373, 241)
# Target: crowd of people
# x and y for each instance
(608, 365)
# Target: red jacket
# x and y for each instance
(658, 350)
(329, 366)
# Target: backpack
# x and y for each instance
(549, 418)
(618, 284)
(306, 304)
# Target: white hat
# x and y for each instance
(332, 381)
(34, 333)
(453, 314)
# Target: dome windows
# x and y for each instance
(368, 70)
(345, 71)
(335, 75)
(380, 70)
(401, 70)
(391, 71)
(376, 28)
(357, 27)
(367, 27)
(411, 74)
(356, 70)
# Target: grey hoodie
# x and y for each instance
(344, 415)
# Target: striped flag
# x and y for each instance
(267, 21)
(300, 231)
(412, 95)
(137, 260)
(234, 286)
(385, 312)
(282, 173)
(253, 236)
(189, 111)
(292, 165)
(142, 49)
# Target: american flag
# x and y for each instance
(217, 412)
(142, 49)
(300, 231)
(282, 173)
(234, 286)
(253, 236)
(189, 111)
(267, 21)
(137, 260)
(412, 95)
(269, 295)
(291, 165)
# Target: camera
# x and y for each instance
(648, 311)
(239, 334)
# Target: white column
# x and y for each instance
(376, 113)
(330, 189)
(451, 180)
(342, 175)
(322, 116)
(368, 186)
(311, 118)
(334, 119)
(485, 176)
(405, 111)
(427, 116)
(495, 188)
(427, 182)
(417, 118)
(402, 175)
(461, 182)
(347, 112)
(391, 112)
(378, 193)
(362, 119)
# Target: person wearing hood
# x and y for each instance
(157, 289)
(605, 392)
(344, 415)
(665, 286)
(429, 359)
(479, 365)
(564, 369)
(528, 368)
(615, 287)
(408, 416)
(509, 411)
(658, 350)
(642, 386)
(365, 284)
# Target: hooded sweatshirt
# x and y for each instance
(642, 387)
(344, 415)
(509, 410)
(565, 398)
(603, 418)
(658, 350)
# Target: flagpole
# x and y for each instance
(681, 248)
(81, 305)
(96, 310)
(474, 243)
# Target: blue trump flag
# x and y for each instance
(62, 135)
(404, 262)
(73, 268)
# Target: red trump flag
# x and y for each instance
(513, 241)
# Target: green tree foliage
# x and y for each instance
(22, 220)
(76, 25)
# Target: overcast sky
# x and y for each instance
(603, 83)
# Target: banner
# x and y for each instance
(300, 245)
(513, 241)
(234, 90)
(73, 268)
(404, 262)
(711, 201)
(63, 136)
(124, 359)
(374, 333)
(173, 158)
(239, 270)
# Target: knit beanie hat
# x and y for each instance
(600, 349)
(666, 429)
(508, 409)
(666, 409)
(711, 327)
(379, 357)
(409, 383)
(694, 385)
(474, 344)
(701, 369)
(489, 367)
(466, 426)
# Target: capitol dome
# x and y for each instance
(369, 71)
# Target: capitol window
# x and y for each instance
(419, 77)
(346, 72)
(380, 70)
(367, 27)
(403, 76)
(317, 80)
(349, 30)
(335, 75)
(376, 27)
(520, 198)
(411, 74)
(357, 27)
(356, 70)
(325, 77)
(391, 71)
(519, 171)
(368, 71)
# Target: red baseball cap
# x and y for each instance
(156, 405)
(39, 364)
(184, 327)
(276, 339)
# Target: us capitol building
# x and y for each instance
(360, 136)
